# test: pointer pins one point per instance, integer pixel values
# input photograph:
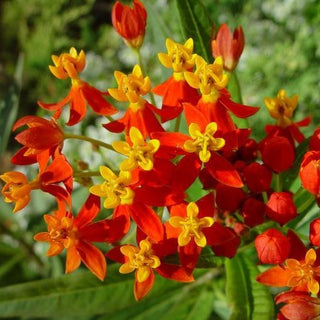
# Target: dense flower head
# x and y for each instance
(228, 45)
(129, 22)
(183, 195)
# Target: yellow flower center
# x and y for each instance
(140, 153)
(140, 259)
(180, 57)
(68, 64)
(62, 230)
(209, 78)
(191, 226)
(304, 272)
(281, 108)
(131, 87)
(115, 189)
(203, 143)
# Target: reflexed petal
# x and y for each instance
(73, 259)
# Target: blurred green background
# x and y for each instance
(282, 51)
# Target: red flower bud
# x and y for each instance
(253, 212)
(315, 140)
(228, 45)
(229, 198)
(310, 172)
(277, 153)
(130, 23)
(258, 177)
(281, 207)
(272, 247)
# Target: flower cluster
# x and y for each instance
(241, 177)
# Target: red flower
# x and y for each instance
(140, 113)
(194, 227)
(176, 90)
(272, 247)
(228, 45)
(130, 23)
(76, 234)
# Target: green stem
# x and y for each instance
(305, 204)
(137, 50)
(95, 142)
(278, 186)
(298, 193)
(177, 124)
(237, 87)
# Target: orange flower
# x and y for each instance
(302, 275)
(17, 189)
(81, 93)
(130, 23)
(76, 234)
(55, 178)
(228, 45)
(144, 260)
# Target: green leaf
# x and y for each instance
(196, 24)
(248, 299)
(82, 295)
(9, 106)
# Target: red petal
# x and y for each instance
(73, 259)
(194, 115)
(78, 106)
(116, 255)
(239, 110)
(147, 220)
(88, 212)
(173, 272)
(189, 255)
(95, 100)
(56, 106)
(223, 171)
(108, 230)
(93, 259)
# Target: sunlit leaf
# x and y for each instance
(248, 299)
(196, 24)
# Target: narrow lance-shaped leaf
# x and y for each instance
(248, 299)
(9, 106)
(196, 24)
